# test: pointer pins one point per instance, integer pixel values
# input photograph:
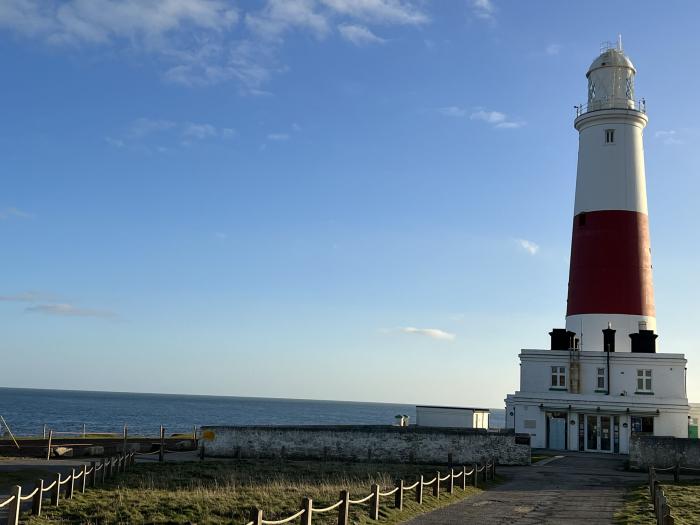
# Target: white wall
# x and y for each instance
(444, 417)
(668, 372)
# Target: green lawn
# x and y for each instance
(224, 492)
(683, 497)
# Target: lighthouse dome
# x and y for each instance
(611, 81)
(611, 58)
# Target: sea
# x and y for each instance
(28, 412)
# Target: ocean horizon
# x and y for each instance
(27, 410)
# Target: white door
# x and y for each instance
(557, 433)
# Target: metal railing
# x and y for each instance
(612, 103)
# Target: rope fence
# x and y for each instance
(75, 480)
(662, 508)
(486, 472)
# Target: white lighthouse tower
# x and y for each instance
(610, 278)
(602, 381)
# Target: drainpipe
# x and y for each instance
(608, 370)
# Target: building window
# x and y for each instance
(609, 136)
(644, 381)
(642, 424)
(600, 379)
(559, 377)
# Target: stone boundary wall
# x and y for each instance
(365, 443)
(663, 452)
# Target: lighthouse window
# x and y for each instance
(643, 380)
(558, 377)
(609, 136)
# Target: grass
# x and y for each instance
(683, 497)
(224, 492)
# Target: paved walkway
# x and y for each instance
(572, 490)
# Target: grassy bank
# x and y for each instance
(224, 492)
(683, 497)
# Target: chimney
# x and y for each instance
(644, 342)
(609, 339)
(561, 339)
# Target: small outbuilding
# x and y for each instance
(452, 417)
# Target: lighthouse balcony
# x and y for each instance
(611, 103)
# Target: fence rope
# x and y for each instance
(29, 496)
(363, 500)
(426, 483)
(327, 509)
(7, 502)
(411, 487)
(455, 476)
(78, 476)
(389, 493)
(46, 489)
(89, 471)
(470, 472)
(285, 520)
(64, 481)
(445, 478)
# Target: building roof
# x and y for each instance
(611, 58)
(455, 408)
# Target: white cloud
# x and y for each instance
(552, 49)
(433, 333)
(279, 16)
(69, 310)
(279, 137)
(483, 9)
(143, 132)
(668, 137)
(202, 42)
(199, 131)
(452, 111)
(359, 35)
(142, 127)
(24, 297)
(529, 246)
(9, 213)
(496, 119)
(379, 11)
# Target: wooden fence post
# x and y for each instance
(256, 516)
(38, 498)
(56, 492)
(677, 473)
(48, 447)
(307, 504)
(161, 455)
(44, 432)
(126, 436)
(13, 511)
(476, 475)
(419, 491)
(344, 509)
(103, 471)
(83, 478)
(374, 503)
(93, 476)
(398, 498)
(436, 485)
(464, 477)
(70, 487)
(451, 482)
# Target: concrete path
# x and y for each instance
(573, 489)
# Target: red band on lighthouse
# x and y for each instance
(610, 268)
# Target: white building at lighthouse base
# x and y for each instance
(595, 401)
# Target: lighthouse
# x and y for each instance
(610, 275)
(602, 386)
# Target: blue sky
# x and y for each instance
(336, 199)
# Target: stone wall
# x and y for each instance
(365, 443)
(663, 452)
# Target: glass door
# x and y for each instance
(591, 432)
(605, 440)
(599, 433)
